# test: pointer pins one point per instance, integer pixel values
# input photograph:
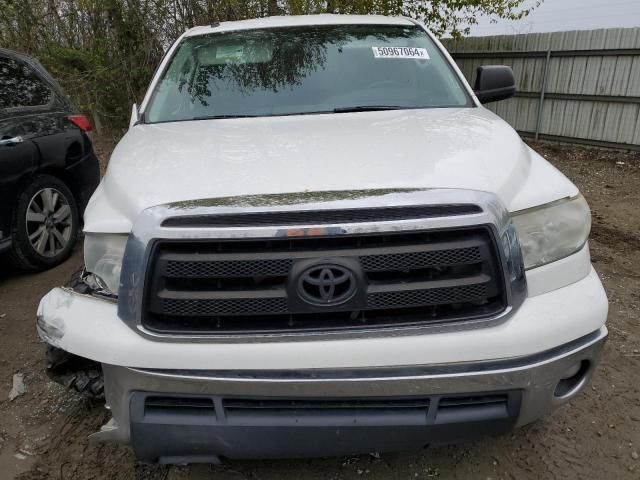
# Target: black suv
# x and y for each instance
(48, 169)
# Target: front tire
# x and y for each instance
(45, 224)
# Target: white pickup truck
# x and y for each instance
(314, 240)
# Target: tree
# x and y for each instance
(453, 17)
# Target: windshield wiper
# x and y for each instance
(217, 117)
(357, 108)
(367, 108)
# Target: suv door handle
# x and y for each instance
(11, 141)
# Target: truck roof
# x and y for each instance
(298, 21)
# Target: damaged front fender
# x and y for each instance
(50, 318)
(71, 371)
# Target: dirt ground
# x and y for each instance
(43, 433)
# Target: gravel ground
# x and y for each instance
(43, 433)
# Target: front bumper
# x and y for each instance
(89, 327)
(487, 397)
(554, 334)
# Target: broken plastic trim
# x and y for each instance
(87, 283)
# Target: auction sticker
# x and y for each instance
(400, 52)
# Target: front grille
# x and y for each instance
(248, 286)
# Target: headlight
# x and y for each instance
(103, 254)
(553, 231)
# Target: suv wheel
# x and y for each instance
(45, 226)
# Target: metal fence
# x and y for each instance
(581, 86)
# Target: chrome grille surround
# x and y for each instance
(151, 226)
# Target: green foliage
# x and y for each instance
(104, 51)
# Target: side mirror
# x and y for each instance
(135, 117)
(494, 82)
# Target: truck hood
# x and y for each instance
(468, 148)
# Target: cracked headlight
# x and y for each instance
(103, 254)
(552, 231)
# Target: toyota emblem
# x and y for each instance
(326, 285)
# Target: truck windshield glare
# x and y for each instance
(294, 71)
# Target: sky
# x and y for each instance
(561, 15)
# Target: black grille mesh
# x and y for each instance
(458, 256)
(438, 296)
(234, 268)
(239, 268)
(242, 306)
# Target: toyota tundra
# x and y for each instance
(314, 240)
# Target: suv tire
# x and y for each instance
(45, 224)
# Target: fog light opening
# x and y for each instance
(574, 379)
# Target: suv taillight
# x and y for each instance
(81, 122)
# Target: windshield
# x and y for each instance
(291, 71)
